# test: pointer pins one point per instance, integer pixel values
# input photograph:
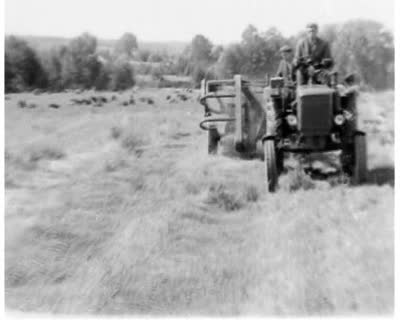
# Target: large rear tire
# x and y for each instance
(271, 171)
(359, 175)
(280, 161)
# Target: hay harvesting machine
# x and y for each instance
(278, 116)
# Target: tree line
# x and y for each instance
(361, 46)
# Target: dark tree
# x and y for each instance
(23, 70)
(80, 64)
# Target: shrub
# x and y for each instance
(116, 132)
(182, 96)
(143, 55)
(122, 76)
(155, 57)
(157, 73)
(45, 151)
(131, 138)
(22, 103)
(131, 142)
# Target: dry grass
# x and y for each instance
(137, 219)
(17, 164)
(222, 195)
(297, 179)
(131, 138)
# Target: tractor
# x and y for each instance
(315, 113)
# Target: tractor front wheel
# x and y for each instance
(271, 170)
(360, 159)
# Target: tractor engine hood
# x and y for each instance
(315, 110)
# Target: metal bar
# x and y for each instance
(210, 95)
(238, 109)
(203, 87)
(255, 84)
(227, 81)
(202, 124)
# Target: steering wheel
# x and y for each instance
(326, 63)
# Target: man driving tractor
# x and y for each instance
(310, 52)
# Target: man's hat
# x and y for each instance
(285, 48)
(312, 25)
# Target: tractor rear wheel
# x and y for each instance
(359, 174)
(271, 170)
(280, 161)
(213, 139)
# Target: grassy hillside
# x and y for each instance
(118, 210)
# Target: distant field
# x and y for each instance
(115, 209)
(46, 43)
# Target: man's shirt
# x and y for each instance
(317, 50)
(285, 70)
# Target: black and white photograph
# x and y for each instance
(209, 158)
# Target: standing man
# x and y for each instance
(312, 48)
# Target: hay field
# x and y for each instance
(118, 210)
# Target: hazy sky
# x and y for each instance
(222, 21)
